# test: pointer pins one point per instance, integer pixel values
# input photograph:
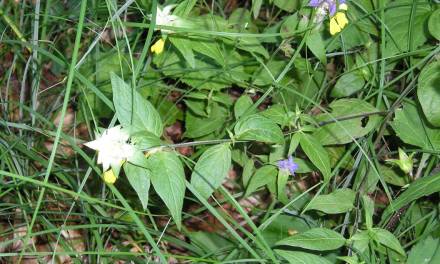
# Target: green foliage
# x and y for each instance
(339, 201)
(296, 146)
(315, 239)
(211, 169)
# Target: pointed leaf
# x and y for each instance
(211, 169)
(259, 128)
(317, 154)
(134, 111)
(168, 179)
(298, 257)
(139, 178)
(315, 239)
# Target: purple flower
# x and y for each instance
(288, 165)
(330, 5)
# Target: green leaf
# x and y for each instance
(316, 45)
(287, 5)
(262, 176)
(168, 179)
(425, 252)
(428, 92)
(298, 257)
(259, 128)
(434, 24)
(386, 239)
(403, 21)
(132, 110)
(184, 8)
(197, 126)
(184, 46)
(412, 128)
(211, 169)
(348, 84)
(419, 188)
(317, 154)
(278, 114)
(369, 210)
(144, 140)
(139, 179)
(339, 201)
(315, 239)
(242, 105)
(342, 132)
(256, 6)
(208, 47)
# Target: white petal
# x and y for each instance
(95, 144)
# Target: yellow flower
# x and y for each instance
(109, 177)
(338, 22)
(158, 46)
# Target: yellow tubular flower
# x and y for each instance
(158, 46)
(109, 177)
(338, 22)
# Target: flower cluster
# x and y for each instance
(113, 149)
(288, 165)
(335, 10)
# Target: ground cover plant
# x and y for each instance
(201, 131)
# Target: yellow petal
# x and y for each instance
(109, 177)
(343, 7)
(334, 27)
(158, 46)
(341, 18)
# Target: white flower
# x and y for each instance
(112, 147)
(164, 17)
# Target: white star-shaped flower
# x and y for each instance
(113, 147)
(165, 18)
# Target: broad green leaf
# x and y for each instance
(287, 5)
(252, 45)
(259, 128)
(403, 21)
(434, 24)
(343, 131)
(208, 47)
(185, 48)
(426, 251)
(184, 8)
(298, 257)
(197, 126)
(262, 176)
(280, 227)
(211, 169)
(168, 179)
(256, 6)
(242, 104)
(412, 128)
(360, 241)
(428, 92)
(139, 178)
(132, 110)
(316, 45)
(317, 154)
(278, 114)
(339, 201)
(348, 84)
(419, 188)
(386, 239)
(315, 239)
(144, 140)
